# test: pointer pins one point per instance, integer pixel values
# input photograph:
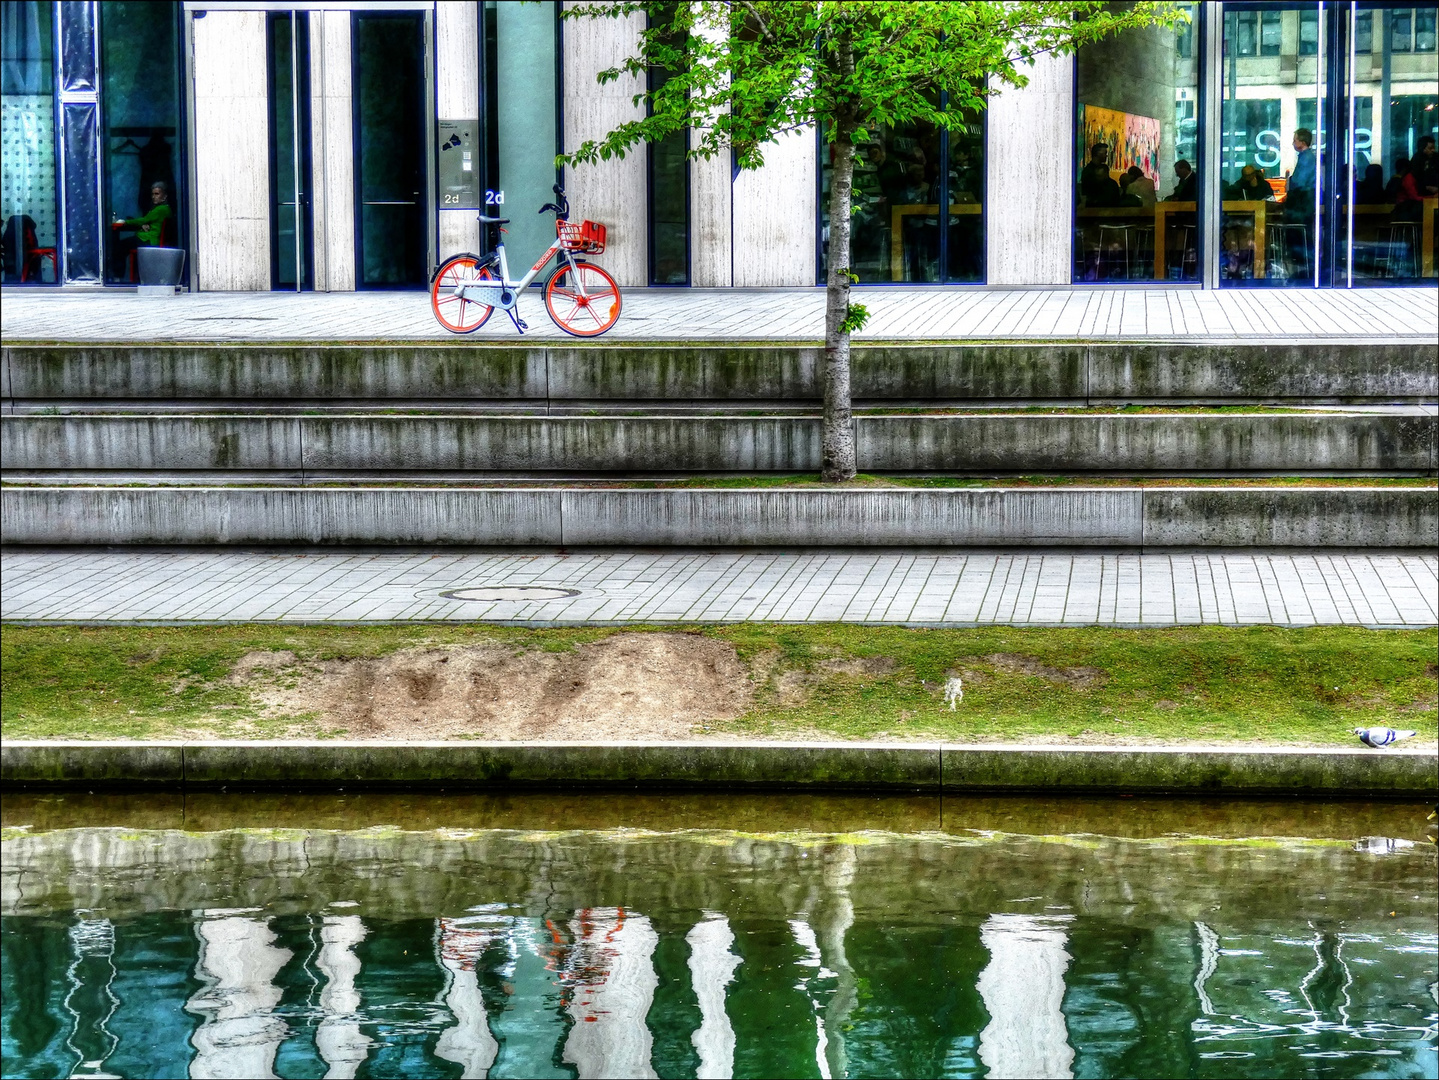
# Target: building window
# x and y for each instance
(291, 243)
(1364, 32)
(1401, 25)
(1309, 31)
(27, 171)
(1271, 33)
(1425, 20)
(1245, 41)
(1137, 202)
(918, 203)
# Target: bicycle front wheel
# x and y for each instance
(454, 312)
(582, 299)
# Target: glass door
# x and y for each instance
(291, 257)
(391, 121)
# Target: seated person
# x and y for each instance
(1250, 187)
(1138, 188)
(1096, 187)
(1370, 190)
(151, 230)
(1409, 196)
(1391, 189)
(1187, 184)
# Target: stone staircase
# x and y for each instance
(575, 445)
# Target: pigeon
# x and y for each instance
(1381, 736)
(953, 692)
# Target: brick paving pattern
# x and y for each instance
(910, 587)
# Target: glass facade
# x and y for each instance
(28, 203)
(918, 204)
(1138, 178)
(291, 249)
(669, 203)
(140, 95)
(1318, 173)
(522, 122)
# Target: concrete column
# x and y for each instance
(710, 222)
(712, 967)
(774, 215)
(339, 1039)
(332, 152)
(1023, 990)
(457, 95)
(615, 191)
(1030, 178)
(232, 147)
(239, 1033)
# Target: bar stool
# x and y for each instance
(1143, 250)
(1186, 245)
(1281, 245)
(1113, 237)
(1403, 235)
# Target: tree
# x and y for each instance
(740, 74)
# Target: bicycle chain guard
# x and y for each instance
(491, 294)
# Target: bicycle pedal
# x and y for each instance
(522, 325)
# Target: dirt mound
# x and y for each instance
(1077, 677)
(629, 686)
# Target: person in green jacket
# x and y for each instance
(151, 230)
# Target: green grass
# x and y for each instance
(1198, 683)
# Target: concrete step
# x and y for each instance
(1400, 440)
(1136, 518)
(541, 375)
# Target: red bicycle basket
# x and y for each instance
(587, 236)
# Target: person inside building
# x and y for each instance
(1250, 187)
(1138, 188)
(1409, 195)
(1391, 189)
(1370, 190)
(1429, 174)
(1096, 187)
(1299, 196)
(1186, 184)
(153, 229)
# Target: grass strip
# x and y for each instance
(1201, 684)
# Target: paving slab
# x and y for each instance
(896, 314)
(911, 587)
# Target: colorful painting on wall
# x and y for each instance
(1132, 140)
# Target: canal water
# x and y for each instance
(589, 935)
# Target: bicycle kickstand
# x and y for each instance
(520, 325)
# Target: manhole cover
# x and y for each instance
(510, 592)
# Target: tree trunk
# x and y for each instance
(837, 439)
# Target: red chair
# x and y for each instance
(131, 260)
(42, 254)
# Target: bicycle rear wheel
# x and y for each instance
(587, 314)
(454, 312)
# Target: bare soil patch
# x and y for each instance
(1015, 663)
(628, 686)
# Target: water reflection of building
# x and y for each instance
(1023, 989)
(339, 1040)
(712, 967)
(461, 945)
(604, 962)
(239, 1032)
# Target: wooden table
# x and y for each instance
(897, 214)
(1161, 211)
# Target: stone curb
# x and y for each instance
(1410, 773)
(1133, 518)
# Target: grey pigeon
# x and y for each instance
(1381, 736)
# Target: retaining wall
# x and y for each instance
(1040, 370)
(473, 765)
(801, 517)
(1133, 443)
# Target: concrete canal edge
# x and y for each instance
(328, 765)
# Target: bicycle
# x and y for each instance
(581, 298)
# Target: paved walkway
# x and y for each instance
(872, 587)
(738, 314)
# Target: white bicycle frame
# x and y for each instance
(505, 293)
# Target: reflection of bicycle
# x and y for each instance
(582, 299)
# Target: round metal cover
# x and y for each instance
(510, 592)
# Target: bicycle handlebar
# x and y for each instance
(560, 211)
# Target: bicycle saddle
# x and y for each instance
(493, 220)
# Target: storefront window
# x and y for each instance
(1137, 199)
(291, 250)
(905, 179)
(1396, 171)
(140, 95)
(27, 134)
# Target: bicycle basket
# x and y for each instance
(587, 236)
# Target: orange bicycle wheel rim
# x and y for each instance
(452, 311)
(587, 315)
